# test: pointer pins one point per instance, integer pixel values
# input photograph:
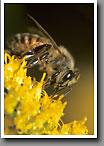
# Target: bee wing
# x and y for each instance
(34, 30)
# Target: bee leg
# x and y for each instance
(56, 90)
(47, 83)
(51, 80)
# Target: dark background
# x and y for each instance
(70, 25)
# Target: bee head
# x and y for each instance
(68, 78)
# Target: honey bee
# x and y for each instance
(55, 60)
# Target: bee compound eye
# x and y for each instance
(55, 75)
(68, 76)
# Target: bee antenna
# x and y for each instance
(45, 32)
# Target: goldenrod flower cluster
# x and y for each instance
(28, 108)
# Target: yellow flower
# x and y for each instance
(30, 108)
(75, 128)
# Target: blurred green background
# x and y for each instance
(70, 25)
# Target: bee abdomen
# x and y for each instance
(26, 38)
(25, 41)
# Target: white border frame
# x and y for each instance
(95, 69)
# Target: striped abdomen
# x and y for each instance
(21, 43)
